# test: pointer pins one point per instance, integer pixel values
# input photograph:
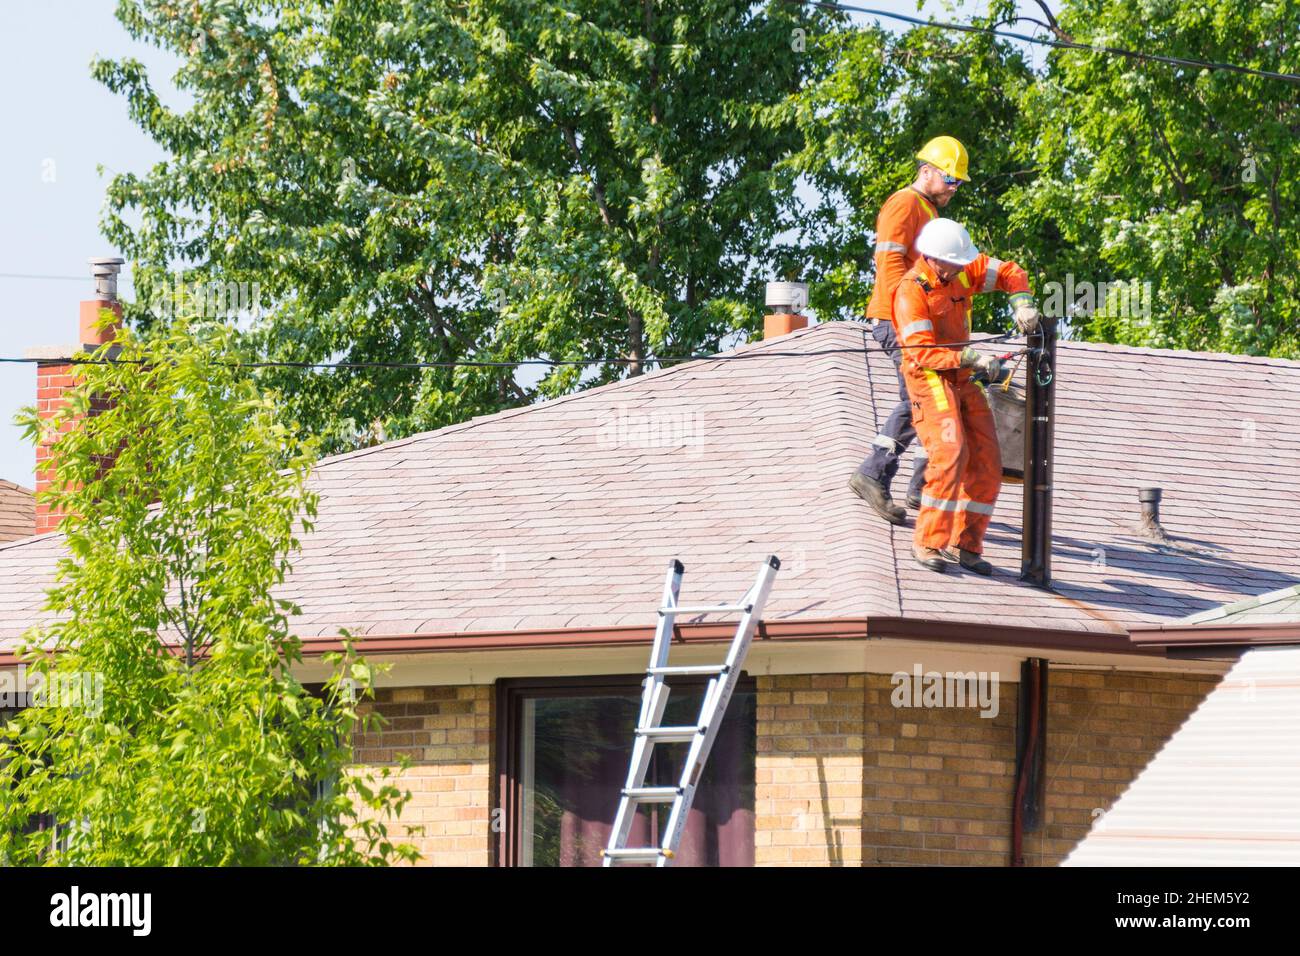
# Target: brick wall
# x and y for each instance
(447, 733)
(846, 778)
(52, 380)
(811, 749)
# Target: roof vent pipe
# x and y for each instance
(104, 270)
(1149, 498)
(786, 300)
(1150, 526)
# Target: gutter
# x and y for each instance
(870, 627)
(853, 628)
(1208, 635)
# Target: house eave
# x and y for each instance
(1209, 636)
(876, 627)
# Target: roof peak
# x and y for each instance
(739, 349)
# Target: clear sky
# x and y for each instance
(59, 127)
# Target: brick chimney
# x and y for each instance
(786, 300)
(55, 373)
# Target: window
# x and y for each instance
(564, 746)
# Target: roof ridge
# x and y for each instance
(30, 539)
(505, 413)
(1232, 358)
(14, 486)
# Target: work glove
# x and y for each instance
(989, 366)
(1024, 313)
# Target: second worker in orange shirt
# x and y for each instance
(941, 166)
(950, 411)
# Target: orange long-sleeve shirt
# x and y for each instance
(928, 314)
(900, 219)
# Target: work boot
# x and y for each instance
(914, 502)
(970, 560)
(874, 494)
(929, 558)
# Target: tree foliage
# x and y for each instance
(1091, 169)
(882, 96)
(501, 180)
(1185, 178)
(168, 728)
(492, 180)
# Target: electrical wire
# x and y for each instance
(471, 363)
(1058, 44)
(32, 275)
(744, 356)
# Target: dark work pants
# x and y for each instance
(898, 433)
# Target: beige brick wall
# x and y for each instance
(845, 778)
(446, 732)
(811, 748)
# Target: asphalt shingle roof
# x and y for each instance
(17, 511)
(564, 514)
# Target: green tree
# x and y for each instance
(168, 727)
(492, 180)
(879, 97)
(1185, 178)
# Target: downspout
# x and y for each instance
(1031, 756)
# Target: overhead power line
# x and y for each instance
(663, 360)
(32, 275)
(473, 363)
(1058, 44)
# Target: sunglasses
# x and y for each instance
(951, 181)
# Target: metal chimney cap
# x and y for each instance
(1149, 494)
(787, 296)
(104, 270)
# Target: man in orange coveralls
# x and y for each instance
(949, 410)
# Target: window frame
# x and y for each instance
(511, 692)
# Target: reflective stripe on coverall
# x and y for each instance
(949, 411)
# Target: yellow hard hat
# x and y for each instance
(947, 154)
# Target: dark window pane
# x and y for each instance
(573, 760)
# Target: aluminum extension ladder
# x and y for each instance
(654, 698)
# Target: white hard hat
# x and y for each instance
(947, 241)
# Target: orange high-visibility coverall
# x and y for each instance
(899, 220)
(950, 412)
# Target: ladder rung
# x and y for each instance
(653, 794)
(670, 735)
(685, 669)
(637, 854)
(707, 608)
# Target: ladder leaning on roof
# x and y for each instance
(654, 698)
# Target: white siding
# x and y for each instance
(1225, 790)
